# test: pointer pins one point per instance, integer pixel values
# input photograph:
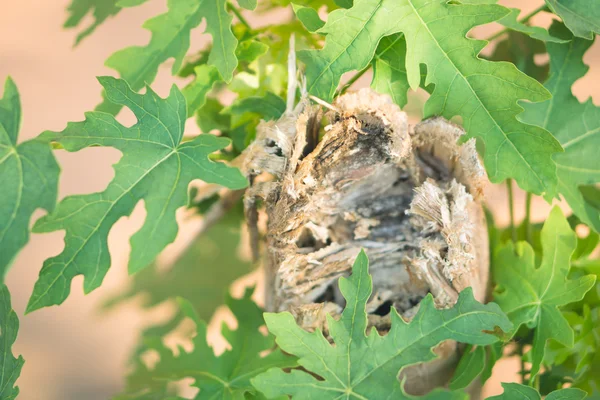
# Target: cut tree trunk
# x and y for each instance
(408, 197)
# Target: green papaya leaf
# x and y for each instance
(195, 93)
(521, 50)
(309, 17)
(138, 65)
(247, 4)
(156, 167)
(514, 391)
(224, 377)
(536, 32)
(575, 125)
(28, 179)
(366, 366)
(582, 17)
(130, 3)
(469, 367)
(100, 10)
(531, 295)
(9, 364)
(269, 106)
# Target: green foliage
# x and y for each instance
(138, 65)
(28, 179)
(515, 391)
(521, 49)
(269, 106)
(389, 76)
(574, 124)
(79, 9)
(476, 364)
(202, 275)
(226, 376)
(309, 17)
(469, 367)
(195, 93)
(530, 295)
(100, 10)
(9, 364)
(156, 167)
(465, 85)
(364, 365)
(582, 17)
(545, 282)
(535, 32)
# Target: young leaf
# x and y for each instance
(156, 167)
(465, 85)
(171, 38)
(367, 366)
(517, 391)
(28, 179)
(226, 376)
(269, 106)
(9, 365)
(100, 9)
(195, 93)
(530, 295)
(206, 76)
(582, 17)
(575, 125)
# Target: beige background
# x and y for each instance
(74, 352)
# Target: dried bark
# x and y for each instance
(410, 198)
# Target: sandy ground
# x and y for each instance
(73, 351)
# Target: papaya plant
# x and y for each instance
(385, 275)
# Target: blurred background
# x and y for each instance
(76, 351)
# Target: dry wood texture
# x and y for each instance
(410, 198)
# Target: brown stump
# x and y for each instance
(409, 198)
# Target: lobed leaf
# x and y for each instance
(366, 366)
(100, 10)
(138, 65)
(28, 179)
(535, 32)
(483, 93)
(9, 364)
(521, 50)
(156, 167)
(517, 391)
(582, 17)
(226, 376)
(575, 125)
(530, 295)
(195, 93)
(309, 17)
(469, 367)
